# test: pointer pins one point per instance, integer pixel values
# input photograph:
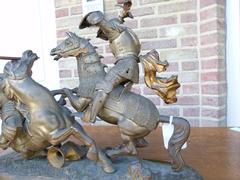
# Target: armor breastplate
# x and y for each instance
(125, 44)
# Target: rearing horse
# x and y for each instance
(135, 115)
(47, 122)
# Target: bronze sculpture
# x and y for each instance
(47, 123)
(35, 124)
(135, 115)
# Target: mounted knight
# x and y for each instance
(125, 47)
(107, 94)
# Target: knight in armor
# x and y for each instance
(125, 47)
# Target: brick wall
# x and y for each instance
(190, 34)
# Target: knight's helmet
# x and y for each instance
(123, 41)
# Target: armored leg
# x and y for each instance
(95, 107)
(111, 80)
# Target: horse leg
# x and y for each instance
(78, 103)
(94, 153)
(128, 147)
(130, 134)
(33, 154)
(140, 142)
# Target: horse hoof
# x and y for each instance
(92, 154)
(110, 154)
(108, 169)
(177, 167)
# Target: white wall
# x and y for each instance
(233, 62)
(30, 24)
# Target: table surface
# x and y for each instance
(213, 152)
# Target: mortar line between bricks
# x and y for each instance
(200, 63)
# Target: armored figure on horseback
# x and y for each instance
(45, 123)
(125, 47)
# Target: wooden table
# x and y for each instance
(213, 152)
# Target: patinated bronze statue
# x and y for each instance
(35, 124)
(135, 115)
(108, 95)
(46, 122)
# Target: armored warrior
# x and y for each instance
(125, 47)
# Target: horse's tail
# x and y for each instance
(179, 137)
(164, 87)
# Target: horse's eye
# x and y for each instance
(68, 43)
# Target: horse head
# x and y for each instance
(72, 46)
(18, 69)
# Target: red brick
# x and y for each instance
(194, 122)
(179, 54)
(190, 65)
(213, 100)
(213, 113)
(111, 14)
(189, 41)
(214, 89)
(177, 7)
(212, 38)
(61, 12)
(143, 11)
(160, 44)
(64, 3)
(213, 76)
(213, 64)
(133, 24)
(178, 30)
(61, 33)
(205, 3)
(151, 1)
(188, 77)
(120, 1)
(191, 112)
(212, 26)
(158, 21)
(189, 17)
(76, 10)
(210, 123)
(188, 100)
(146, 33)
(65, 73)
(214, 12)
(190, 89)
(169, 111)
(173, 66)
(212, 51)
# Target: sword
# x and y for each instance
(9, 58)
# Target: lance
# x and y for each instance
(9, 58)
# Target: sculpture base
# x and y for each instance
(13, 167)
